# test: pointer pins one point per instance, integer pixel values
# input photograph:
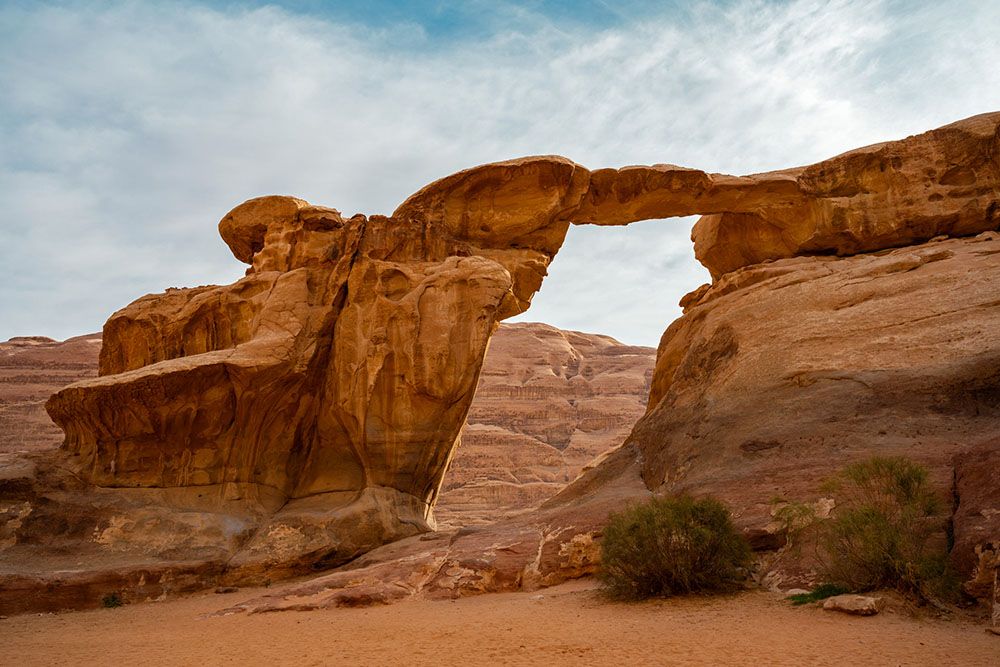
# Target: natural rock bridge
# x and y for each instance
(307, 413)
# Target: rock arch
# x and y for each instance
(307, 412)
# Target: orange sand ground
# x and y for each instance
(563, 625)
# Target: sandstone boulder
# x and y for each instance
(856, 605)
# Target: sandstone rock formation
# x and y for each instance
(893, 352)
(891, 194)
(308, 412)
(889, 353)
(31, 368)
(548, 403)
(559, 541)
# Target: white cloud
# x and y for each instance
(127, 131)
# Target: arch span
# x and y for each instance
(315, 403)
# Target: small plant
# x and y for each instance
(111, 600)
(795, 518)
(880, 536)
(671, 546)
(821, 592)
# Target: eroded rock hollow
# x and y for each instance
(307, 413)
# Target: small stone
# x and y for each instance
(859, 605)
(226, 589)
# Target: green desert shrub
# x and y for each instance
(821, 592)
(795, 518)
(670, 546)
(881, 533)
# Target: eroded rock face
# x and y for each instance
(31, 368)
(780, 374)
(942, 182)
(326, 389)
(890, 353)
(557, 542)
(308, 412)
(549, 402)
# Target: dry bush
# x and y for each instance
(670, 546)
(881, 533)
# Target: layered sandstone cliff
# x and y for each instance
(31, 369)
(308, 412)
(548, 403)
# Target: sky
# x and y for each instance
(128, 129)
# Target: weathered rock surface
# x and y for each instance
(856, 605)
(307, 413)
(31, 368)
(548, 403)
(942, 182)
(976, 522)
(888, 353)
(560, 541)
(779, 374)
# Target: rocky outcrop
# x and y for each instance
(942, 182)
(307, 413)
(557, 542)
(548, 403)
(318, 399)
(892, 353)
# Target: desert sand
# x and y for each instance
(566, 624)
